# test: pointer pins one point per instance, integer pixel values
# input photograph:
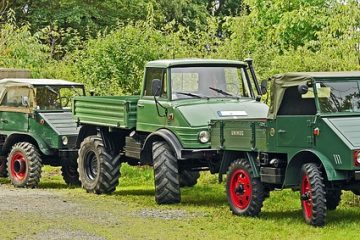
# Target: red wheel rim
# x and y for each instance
(240, 188)
(306, 191)
(18, 166)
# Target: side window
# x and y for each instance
(14, 95)
(293, 104)
(155, 73)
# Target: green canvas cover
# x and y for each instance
(14, 73)
(280, 82)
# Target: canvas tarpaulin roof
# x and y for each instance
(280, 82)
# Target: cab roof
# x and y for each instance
(37, 82)
(165, 63)
(307, 75)
(280, 82)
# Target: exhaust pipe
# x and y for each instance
(249, 62)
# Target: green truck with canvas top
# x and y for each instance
(36, 128)
(309, 141)
(166, 126)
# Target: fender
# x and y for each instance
(160, 135)
(292, 173)
(230, 156)
(14, 137)
(85, 131)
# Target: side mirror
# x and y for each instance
(263, 87)
(303, 89)
(25, 101)
(156, 87)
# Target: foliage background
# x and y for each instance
(105, 44)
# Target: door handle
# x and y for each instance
(140, 105)
(282, 131)
(4, 121)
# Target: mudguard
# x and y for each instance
(292, 174)
(12, 138)
(160, 135)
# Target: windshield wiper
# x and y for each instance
(52, 90)
(221, 91)
(189, 94)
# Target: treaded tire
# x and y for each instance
(245, 193)
(333, 198)
(188, 178)
(99, 172)
(70, 174)
(313, 195)
(24, 165)
(167, 186)
(3, 168)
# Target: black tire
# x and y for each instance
(356, 192)
(313, 195)
(99, 172)
(24, 165)
(188, 178)
(333, 198)
(166, 174)
(70, 174)
(3, 169)
(245, 193)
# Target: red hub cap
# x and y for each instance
(240, 188)
(306, 195)
(18, 166)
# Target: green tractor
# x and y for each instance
(166, 126)
(37, 128)
(310, 142)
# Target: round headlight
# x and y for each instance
(357, 158)
(204, 136)
(65, 140)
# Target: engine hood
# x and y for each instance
(348, 128)
(61, 122)
(200, 114)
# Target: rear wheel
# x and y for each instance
(312, 195)
(167, 186)
(188, 178)
(245, 193)
(333, 198)
(24, 165)
(99, 172)
(70, 173)
(3, 170)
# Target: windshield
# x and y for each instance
(208, 82)
(339, 96)
(56, 98)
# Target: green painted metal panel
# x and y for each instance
(111, 111)
(14, 121)
(239, 135)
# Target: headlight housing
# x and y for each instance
(64, 140)
(204, 136)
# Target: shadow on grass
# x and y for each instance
(55, 185)
(134, 192)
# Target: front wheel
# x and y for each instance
(312, 195)
(99, 172)
(24, 165)
(245, 193)
(70, 173)
(166, 174)
(188, 178)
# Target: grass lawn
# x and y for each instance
(131, 213)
